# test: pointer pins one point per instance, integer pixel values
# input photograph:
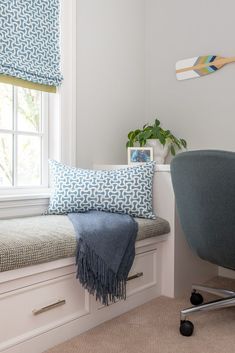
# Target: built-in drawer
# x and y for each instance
(38, 308)
(142, 276)
(143, 273)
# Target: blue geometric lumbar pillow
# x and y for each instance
(126, 190)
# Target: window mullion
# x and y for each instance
(14, 136)
(44, 138)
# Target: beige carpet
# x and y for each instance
(153, 328)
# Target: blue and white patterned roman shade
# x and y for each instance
(30, 42)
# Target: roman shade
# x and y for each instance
(30, 43)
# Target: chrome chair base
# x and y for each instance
(227, 300)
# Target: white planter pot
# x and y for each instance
(159, 151)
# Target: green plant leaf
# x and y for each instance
(155, 132)
(140, 135)
(176, 142)
(147, 134)
(157, 122)
(133, 134)
(162, 139)
(158, 134)
(129, 144)
(184, 143)
(130, 134)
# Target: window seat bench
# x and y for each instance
(41, 301)
(38, 281)
(34, 240)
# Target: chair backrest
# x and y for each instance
(204, 186)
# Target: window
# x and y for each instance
(57, 132)
(23, 137)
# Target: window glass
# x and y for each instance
(28, 160)
(6, 105)
(5, 160)
(23, 152)
(28, 110)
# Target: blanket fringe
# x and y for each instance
(96, 277)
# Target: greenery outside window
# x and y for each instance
(23, 138)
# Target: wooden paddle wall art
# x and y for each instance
(200, 66)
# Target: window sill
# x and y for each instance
(25, 196)
(22, 205)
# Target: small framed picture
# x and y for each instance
(139, 154)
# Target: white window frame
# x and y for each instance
(61, 123)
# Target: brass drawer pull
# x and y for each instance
(49, 307)
(137, 275)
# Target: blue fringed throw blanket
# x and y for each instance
(105, 252)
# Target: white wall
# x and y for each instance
(201, 110)
(110, 77)
(127, 50)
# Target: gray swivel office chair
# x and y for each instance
(204, 186)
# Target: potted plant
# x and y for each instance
(155, 136)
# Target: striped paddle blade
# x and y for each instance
(199, 66)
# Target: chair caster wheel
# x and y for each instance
(186, 328)
(196, 298)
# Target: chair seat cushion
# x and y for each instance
(34, 240)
